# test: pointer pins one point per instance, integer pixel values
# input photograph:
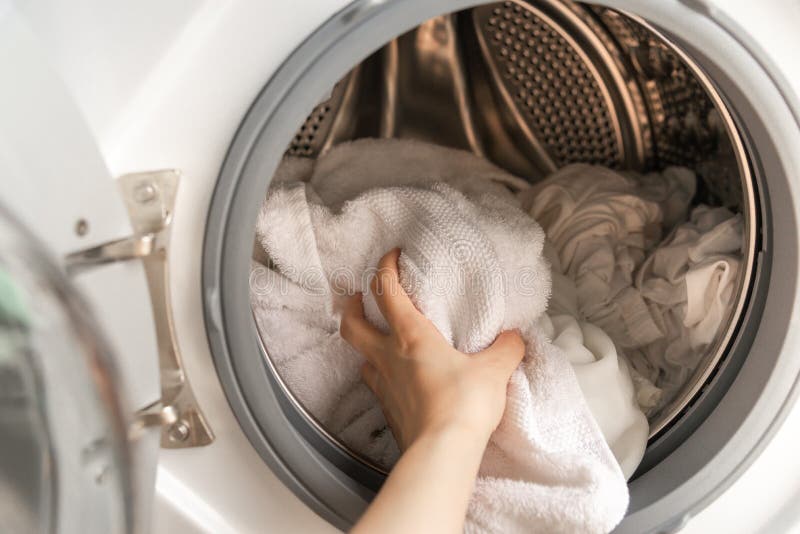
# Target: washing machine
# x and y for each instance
(137, 141)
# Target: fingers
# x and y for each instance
(505, 353)
(356, 330)
(390, 296)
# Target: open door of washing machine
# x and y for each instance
(91, 382)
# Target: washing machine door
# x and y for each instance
(65, 463)
(91, 383)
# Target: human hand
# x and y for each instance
(425, 385)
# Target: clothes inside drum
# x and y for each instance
(582, 118)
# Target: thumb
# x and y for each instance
(505, 353)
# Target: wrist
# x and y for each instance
(460, 433)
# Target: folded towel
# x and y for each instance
(474, 266)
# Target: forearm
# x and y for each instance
(442, 405)
(429, 488)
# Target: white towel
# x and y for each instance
(397, 162)
(606, 384)
(474, 267)
(614, 391)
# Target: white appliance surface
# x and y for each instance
(165, 85)
(765, 498)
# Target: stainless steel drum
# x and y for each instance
(535, 86)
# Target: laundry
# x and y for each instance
(396, 162)
(689, 283)
(661, 302)
(606, 385)
(548, 466)
(601, 225)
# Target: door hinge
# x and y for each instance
(150, 200)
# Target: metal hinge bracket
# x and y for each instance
(150, 199)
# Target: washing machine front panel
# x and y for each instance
(184, 113)
(738, 410)
(189, 100)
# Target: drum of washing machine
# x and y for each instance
(534, 87)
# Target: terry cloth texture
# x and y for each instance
(473, 263)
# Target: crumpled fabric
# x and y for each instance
(662, 302)
(601, 225)
(689, 283)
(547, 467)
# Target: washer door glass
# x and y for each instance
(64, 454)
(64, 461)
